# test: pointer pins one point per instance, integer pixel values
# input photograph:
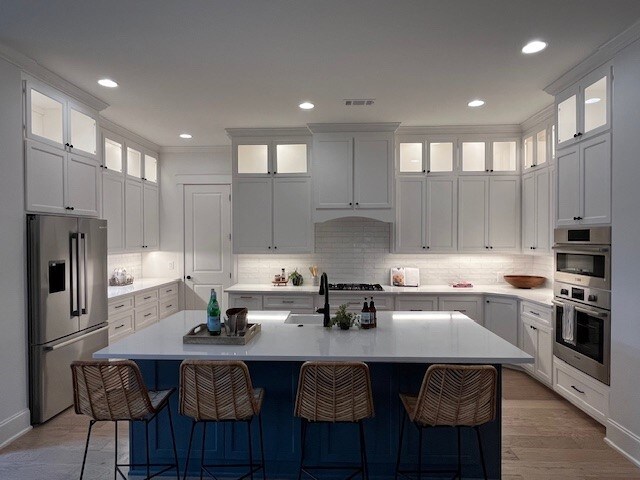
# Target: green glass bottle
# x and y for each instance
(213, 315)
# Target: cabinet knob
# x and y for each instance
(357, 203)
(487, 170)
(188, 277)
(487, 247)
(269, 247)
(491, 248)
(579, 135)
(428, 171)
(275, 248)
(575, 135)
(274, 172)
(424, 171)
(424, 246)
(428, 247)
(67, 145)
(350, 203)
(492, 169)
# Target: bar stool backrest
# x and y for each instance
(105, 390)
(216, 390)
(334, 392)
(457, 395)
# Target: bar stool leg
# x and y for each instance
(261, 446)
(173, 441)
(303, 435)
(484, 466)
(186, 465)
(363, 453)
(204, 437)
(250, 450)
(146, 433)
(459, 472)
(115, 456)
(86, 448)
(419, 453)
(404, 418)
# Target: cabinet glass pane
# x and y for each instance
(411, 157)
(83, 132)
(504, 156)
(567, 121)
(528, 152)
(473, 157)
(441, 157)
(291, 158)
(134, 163)
(541, 147)
(595, 105)
(151, 168)
(46, 117)
(253, 159)
(112, 155)
(553, 141)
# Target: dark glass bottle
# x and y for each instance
(373, 314)
(365, 316)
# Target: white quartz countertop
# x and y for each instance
(401, 337)
(543, 296)
(139, 285)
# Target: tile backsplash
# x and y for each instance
(358, 250)
(131, 261)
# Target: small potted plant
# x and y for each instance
(296, 278)
(343, 318)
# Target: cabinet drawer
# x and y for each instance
(168, 306)
(540, 313)
(287, 302)
(146, 316)
(168, 290)
(144, 298)
(120, 326)
(416, 303)
(355, 302)
(583, 391)
(120, 305)
(251, 302)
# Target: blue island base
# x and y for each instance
(334, 444)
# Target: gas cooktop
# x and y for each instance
(356, 287)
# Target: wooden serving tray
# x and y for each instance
(200, 335)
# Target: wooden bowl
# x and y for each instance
(525, 281)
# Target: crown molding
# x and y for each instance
(353, 127)
(123, 132)
(268, 132)
(33, 68)
(500, 129)
(547, 113)
(212, 149)
(600, 56)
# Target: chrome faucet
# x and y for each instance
(324, 290)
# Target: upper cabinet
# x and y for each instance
(432, 156)
(56, 120)
(271, 156)
(584, 109)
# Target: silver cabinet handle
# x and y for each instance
(74, 340)
(288, 301)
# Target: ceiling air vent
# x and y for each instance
(358, 102)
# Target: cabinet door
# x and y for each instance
(83, 131)
(133, 214)
(113, 210)
(373, 171)
(472, 213)
(567, 186)
(595, 157)
(151, 217)
(471, 306)
(333, 171)
(45, 178)
(45, 114)
(544, 356)
(543, 211)
(567, 115)
(504, 213)
(442, 214)
(292, 226)
(413, 303)
(529, 217)
(529, 343)
(83, 185)
(596, 102)
(501, 317)
(252, 215)
(410, 224)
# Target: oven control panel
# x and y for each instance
(589, 296)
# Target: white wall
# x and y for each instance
(624, 426)
(14, 413)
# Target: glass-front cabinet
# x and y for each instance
(289, 157)
(113, 154)
(473, 157)
(150, 168)
(134, 162)
(426, 155)
(505, 157)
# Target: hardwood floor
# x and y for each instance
(544, 437)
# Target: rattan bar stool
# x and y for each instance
(334, 392)
(220, 391)
(451, 396)
(107, 391)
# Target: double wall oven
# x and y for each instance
(582, 303)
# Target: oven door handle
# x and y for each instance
(588, 311)
(580, 249)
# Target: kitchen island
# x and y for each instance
(398, 353)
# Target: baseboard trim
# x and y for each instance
(15, 426)
(624, 441)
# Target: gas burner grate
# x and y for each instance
(357, 287)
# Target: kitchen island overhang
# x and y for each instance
(398, 353)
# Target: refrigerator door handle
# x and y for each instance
(74, 340)
(82, 275)
(73, 272)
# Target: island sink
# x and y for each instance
(304, 319)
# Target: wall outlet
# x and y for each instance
(172, 265)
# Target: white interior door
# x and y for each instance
(207, 244)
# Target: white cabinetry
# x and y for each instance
(151, 216)
(470, 305)
(134, 227)
(537, 340)
(536, 211)
(501, 317)
(243, 300)
(417, 303)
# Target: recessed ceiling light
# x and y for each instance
(306, 105)
(592, 100)
(107, 82)
(534, 46)
(185, 135)
(476, 103)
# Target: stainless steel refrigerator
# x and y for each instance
(67, 282)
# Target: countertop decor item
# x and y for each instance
(343, 319)
(525, 281)
(296, 278)
(462, 284)
(313, 269)
(120, 277)
(200, 335)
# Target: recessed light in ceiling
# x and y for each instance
(185, 135)
(592, 100)
(534, 46)
(107, 82)
(476, 103)
(306, 105)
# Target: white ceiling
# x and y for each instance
(201, 66)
